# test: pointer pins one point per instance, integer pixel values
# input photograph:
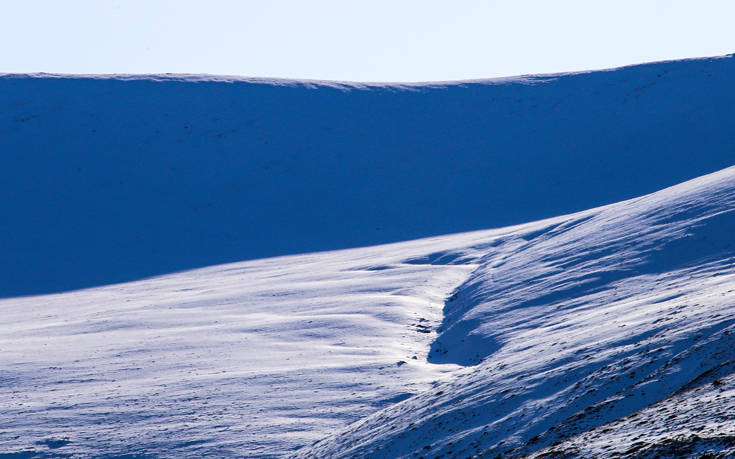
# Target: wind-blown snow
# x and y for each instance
(253, 358)
(573, 322)
(114, 179)
(605, 331)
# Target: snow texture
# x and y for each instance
(112, 179)
(549, 331)
(576, 322)
(602, 332)
(253, 358)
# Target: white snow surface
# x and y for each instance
(253, 358)
(574, 323)
(524, 337)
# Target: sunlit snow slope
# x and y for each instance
(623, 315)
(111, 179)
(247, 359)
(588, 331)
(502, 342)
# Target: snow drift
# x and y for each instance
(599, 331)
(606, 331)
(109, 179)
(573, 323)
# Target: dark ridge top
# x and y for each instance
(110, 179)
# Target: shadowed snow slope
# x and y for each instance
(571, 323)
(110, 179)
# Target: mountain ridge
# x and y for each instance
(198, 77)
(113, 180)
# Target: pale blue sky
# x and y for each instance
(397, 40)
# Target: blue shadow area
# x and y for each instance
(107, 180)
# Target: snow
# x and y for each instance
(262, 357)
(119, 178)
(603, 324)
(256, 357)
(571, 324)
(696, 422)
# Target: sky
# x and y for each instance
(376, 40)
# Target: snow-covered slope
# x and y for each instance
(494, 342)
(111, 179)
(605, 331)
(253, 358)
(577, 322)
